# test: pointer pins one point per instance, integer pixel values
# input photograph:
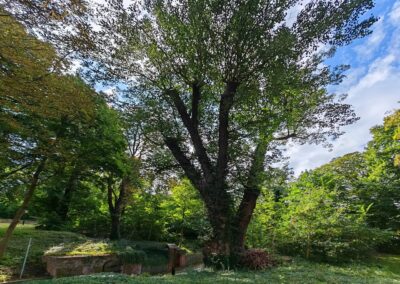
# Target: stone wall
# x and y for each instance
(59, 266)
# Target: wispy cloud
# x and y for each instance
(373, 87)
(367, 49)
(394, 15)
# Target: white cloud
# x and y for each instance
(394, 15)
(367, 49)
(371, 102)
(374, 91)
(292, 13)
(379, 71)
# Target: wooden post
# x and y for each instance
(172, 249)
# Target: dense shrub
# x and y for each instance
(255, 259)
(315, 221)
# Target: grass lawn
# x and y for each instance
(382, 269)
(11, 263)
(63, 243)
(385, 269)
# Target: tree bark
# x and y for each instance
(63, 207)
(229, 227)
(191, 125)
(115, 233)
(225, 106)
(243, 218)
(21, 211)
(116, 204)
(250, 196)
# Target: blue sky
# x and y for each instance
(372, 85)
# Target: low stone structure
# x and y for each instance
(60, 266)
(131, 269)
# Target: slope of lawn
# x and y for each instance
(384, 269)
(42, 240)
(63, 243)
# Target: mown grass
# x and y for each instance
(299, 271)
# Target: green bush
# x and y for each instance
(316, 225)
(315, 221)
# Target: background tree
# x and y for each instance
(383, 181)
(36, 107)
(318, 223)
(57, 21)
(327, 212)
(184, 213)
(92, 148)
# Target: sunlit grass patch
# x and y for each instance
(88, 247)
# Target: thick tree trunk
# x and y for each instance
(115, 233)
(116, 204)
(21, 211)
(243, 219)
(210, 179)
(217, 251)
(63, 207)
(229, 231)
(250, 195)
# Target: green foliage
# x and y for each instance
(75, 182)
(343, 209)
(314, 220)
(318, 223)
(184, 214)
(262, 231)
(36, 99)
(383, 180)
(143, 218)
(132, 256)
